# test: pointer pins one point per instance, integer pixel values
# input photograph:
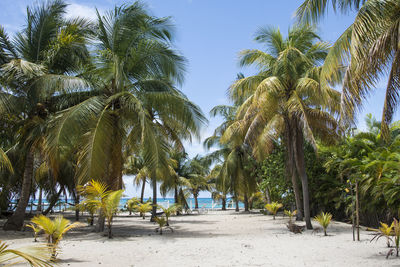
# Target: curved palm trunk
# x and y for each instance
(53, 202)
(16, 221)
(154, 210)
(300, 165)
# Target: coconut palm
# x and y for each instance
(324, 220)
(35, 80)
(138, 109)
(195, 178)
(273, 208)
(131, 203)
(110, 208)
(371, 44)
(143, 208)
(99, 197)
(162, 223)
(286, 100)
(136, 166)
(384, 230)
(169, 211)
(54, 230)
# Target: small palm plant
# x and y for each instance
(162, 223)
(143, 208)
(290, 214)
(324, 219)
(36, 230)
(131, 203)
(273, 208)
(98, 197)
(169, 211)
(54, 230)
(384, 231)
(35, 256)
(110, 207)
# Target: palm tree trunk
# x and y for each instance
(357, 213)
(237, 203)
(154, 210)
(76, 207)
(100, 222)
(300, 166)
(267, 195)
(291, 169)
(246, 203)
(16, 221)
(196, 201)
(53, 202)
(224, 202)
(109, 229)
(39, 206)
(142, 192)
(176, 195)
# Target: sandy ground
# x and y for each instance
(215, 239)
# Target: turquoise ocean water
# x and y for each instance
(206, 203)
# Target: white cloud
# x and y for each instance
(78, 10)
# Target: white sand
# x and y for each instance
(215, 239)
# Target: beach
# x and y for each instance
(216, 238)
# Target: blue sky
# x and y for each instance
(210, 33)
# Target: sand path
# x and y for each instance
(215, 239)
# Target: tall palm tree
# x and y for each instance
(195, 176)
(366, 50)
(36, 78)
(136, 166)
(137, 108)
(285, 100)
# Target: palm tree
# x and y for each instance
(54, 229)
(98, 197)
(371, 44)
(138, 109)
(136, 166)
(195, 180)
(35, 82)
(286, 100)
(232, 176)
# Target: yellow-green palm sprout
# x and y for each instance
(54, 230)
(35, 256)
(291, 214)
(98, 197)
(131, 203)
(169, 211)
(143, 208)
(110, 207)
(324, 220)
(162, 223)
(384, 231)
(273, 208)
(36, 230)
